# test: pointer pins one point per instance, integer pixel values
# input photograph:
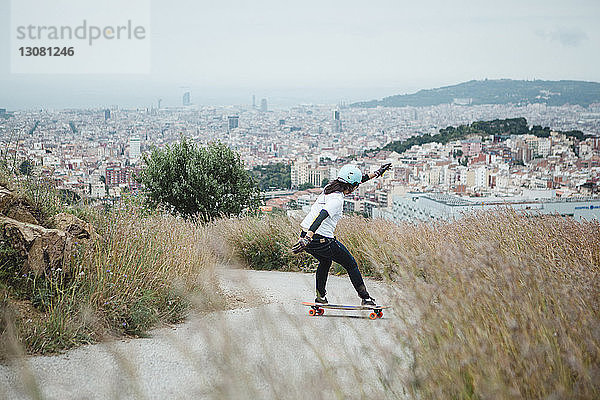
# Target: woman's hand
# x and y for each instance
(382, 169)
(301, 245)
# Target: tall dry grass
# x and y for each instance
(144, 269)
(509, 305)
(495, 305)
(500, 304)
(261, 243)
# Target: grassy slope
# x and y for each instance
(509, 305)
(143, 270)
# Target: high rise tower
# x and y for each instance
(337, 122)
(233, 121)
(263, 105)
(134, 149)
(187, 99)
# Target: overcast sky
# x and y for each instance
(327, 51)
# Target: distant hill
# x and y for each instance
(497, 91)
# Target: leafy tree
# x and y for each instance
(305, 186)
(272, 176)
(576, 134)
(538, 131)
(68, 196)
(293, 205)
(190, 180)
(509, 126)
(457, 153)
(26, 168)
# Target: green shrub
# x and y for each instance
(263, 243)
(194, 181)
(60, 327)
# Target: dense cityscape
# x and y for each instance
(97, 152)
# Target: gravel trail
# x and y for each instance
(265, 347)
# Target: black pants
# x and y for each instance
(332, 250)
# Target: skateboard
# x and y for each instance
(319, 309)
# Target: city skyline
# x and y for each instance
(326, 53)
(552, 153)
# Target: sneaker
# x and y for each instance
(368, 301)
(321, 300)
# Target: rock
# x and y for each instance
(78, 228)
(16, 208)
(21, 212)
(43, 248)
(6, 198)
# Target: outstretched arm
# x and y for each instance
(377, 173)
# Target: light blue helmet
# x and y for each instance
(350, 174)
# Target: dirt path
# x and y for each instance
(262, 349)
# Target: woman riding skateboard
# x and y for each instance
(317, 236)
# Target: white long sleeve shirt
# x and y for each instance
(333, 203)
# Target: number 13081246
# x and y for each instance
(46, 51)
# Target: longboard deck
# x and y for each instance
(319, 309)
(344, 306)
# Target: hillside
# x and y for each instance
(72, 274)
(497, 91)
(494, 305)
(510, 126)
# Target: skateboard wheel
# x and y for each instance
(373, 315)
(321, 311)
(380, 314)
(312, 312)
